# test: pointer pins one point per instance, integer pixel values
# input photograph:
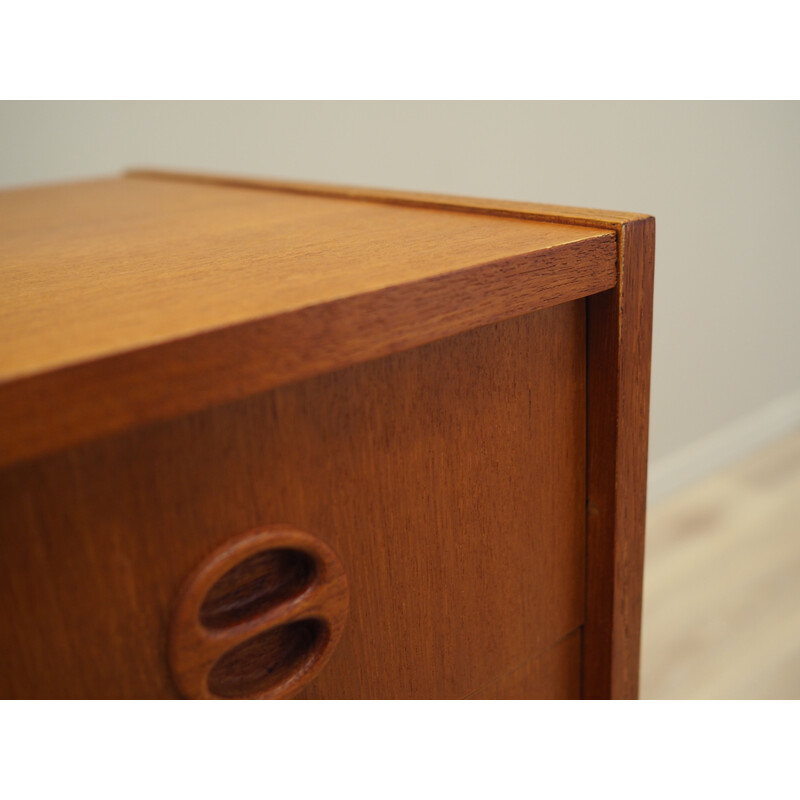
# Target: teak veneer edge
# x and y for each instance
(619, 333)
(565, 215)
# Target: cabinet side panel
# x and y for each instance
(449, 479)
(620, 323)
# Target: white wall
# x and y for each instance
(722, 179)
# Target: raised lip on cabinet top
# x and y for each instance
(133, 299)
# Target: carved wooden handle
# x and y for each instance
(259, 617)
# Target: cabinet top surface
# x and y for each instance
(99, 268)
(131, 300)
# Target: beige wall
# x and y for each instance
(722, 180)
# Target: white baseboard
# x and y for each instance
(699, 459)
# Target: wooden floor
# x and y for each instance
(722, 584)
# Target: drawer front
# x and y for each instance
(449, 481)
(552, 675)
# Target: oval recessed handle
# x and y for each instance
(259, 617)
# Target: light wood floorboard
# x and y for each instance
(722, 584)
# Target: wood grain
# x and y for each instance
(619, 344)
(552, 675)
(450, 479)
(133, 300)
(619, 324)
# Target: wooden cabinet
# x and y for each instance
(272, 440)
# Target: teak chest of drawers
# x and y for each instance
(284, 440)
